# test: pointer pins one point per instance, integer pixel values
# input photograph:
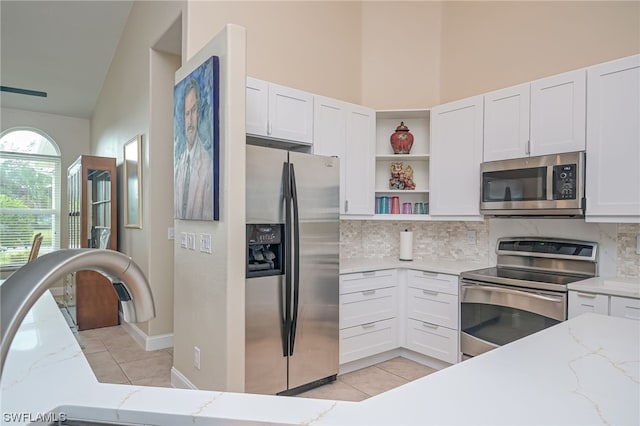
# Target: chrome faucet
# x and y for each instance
(25, 286)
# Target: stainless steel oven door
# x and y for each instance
(494, 315)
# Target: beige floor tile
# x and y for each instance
(372, 380)
(158, 382)
(90, 344)
(105, 368)
(105, 332)
(134, 353)
(406, 368)
(159, 366)
(337, 390)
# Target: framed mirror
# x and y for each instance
(132, 173)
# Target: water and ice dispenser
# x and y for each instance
(265, 250)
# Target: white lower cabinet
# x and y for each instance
(368, 339)
(624, 307)
(432, 315)
(368, 310)
(390, 309)
(615, 306)
(433, 340)
(580, 303)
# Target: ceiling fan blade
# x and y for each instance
(23, 91)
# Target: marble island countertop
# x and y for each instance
(582, 371)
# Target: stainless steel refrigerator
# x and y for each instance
(291, 313)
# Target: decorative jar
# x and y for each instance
(401, 139)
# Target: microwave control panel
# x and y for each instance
(565, 182)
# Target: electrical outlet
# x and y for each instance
(183, 240)
(171, 233)
(191, 241)
(472, 237)
(196, 357)
(205, 243)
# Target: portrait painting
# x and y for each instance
(196, 145)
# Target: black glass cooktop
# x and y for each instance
(521, 278)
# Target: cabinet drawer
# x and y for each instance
(432, 307)
(580, 303)
(368, 306)
(433, 281)
(433, 340)
(625, 307)
(362, 281)
(368, 339)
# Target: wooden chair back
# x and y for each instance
(35, 247)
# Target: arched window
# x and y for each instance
(29, 195)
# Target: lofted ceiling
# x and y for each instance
(63, 48)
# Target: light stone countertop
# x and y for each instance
(453, 267)
(582, 371)
(614, 286)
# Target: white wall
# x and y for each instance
(70, 134)
(209, 288)
(126, 108)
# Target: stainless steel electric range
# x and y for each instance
(526, 292)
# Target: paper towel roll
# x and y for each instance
(406, 245)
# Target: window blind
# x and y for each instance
(29, 204)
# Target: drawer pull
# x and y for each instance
(429, 274)
(369, 274)
(589, 295)
(368, 292)
(428, 324)
(369, 325)
(430, 292)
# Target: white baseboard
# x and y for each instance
(148, 343)
(178, 380)
(386, 356)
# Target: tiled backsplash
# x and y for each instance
(449, 240)
(431, 240)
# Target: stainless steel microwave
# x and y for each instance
(548, 185)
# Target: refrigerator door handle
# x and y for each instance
(285, 306)
(296, 258)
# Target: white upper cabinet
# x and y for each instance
(279, 112)
(558, 113)
(613, 141)
(506, 123)
(546, 116)
(257, 106)
(456, 154)
(346, 131)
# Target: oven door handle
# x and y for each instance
(550, 306)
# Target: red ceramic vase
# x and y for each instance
(401, 139)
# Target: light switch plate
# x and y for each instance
(191, 241)
(205, 243)
(171, 233)
(472, 237)
(183, 240)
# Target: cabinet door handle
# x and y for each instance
(368, 325)
(346, 206)
(589, 295)
(368, 292)
(528, 147)
(430, 292)
(428, 324)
